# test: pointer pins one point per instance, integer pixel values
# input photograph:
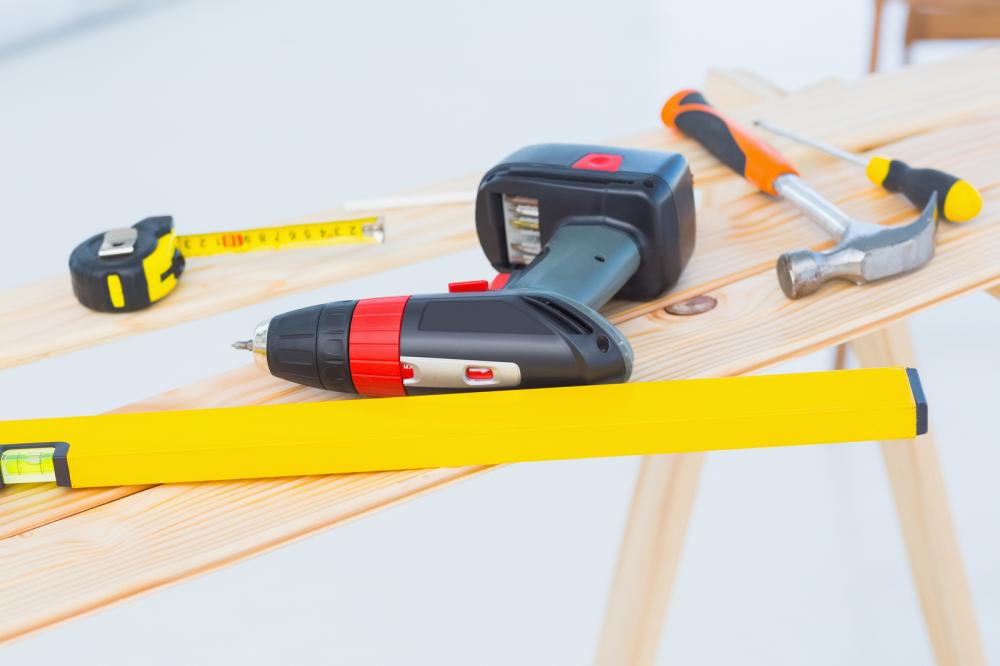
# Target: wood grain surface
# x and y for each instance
(85, 549)
(752, 327)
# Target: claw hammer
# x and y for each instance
(865, 252)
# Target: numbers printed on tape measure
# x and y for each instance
(364, 230)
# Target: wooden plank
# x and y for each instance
(737, 239)
(752, 327)
(928, 530)
(51, 322)
(733, 88)
(175, 531)
(26, 507)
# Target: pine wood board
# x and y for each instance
(732, 88)
(730, 249)
(170, 532)
(853, 115)
(742, 334)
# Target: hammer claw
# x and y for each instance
(865, 253)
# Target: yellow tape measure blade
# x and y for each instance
(316, 234)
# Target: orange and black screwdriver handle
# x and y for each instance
(736, 147)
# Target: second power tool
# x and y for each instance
(572, 226)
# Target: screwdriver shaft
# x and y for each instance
(818, 145)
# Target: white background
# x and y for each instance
(228, 113)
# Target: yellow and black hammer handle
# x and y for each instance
(460, 429)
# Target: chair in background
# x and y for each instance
(941, 19)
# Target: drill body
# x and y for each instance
(413, 345)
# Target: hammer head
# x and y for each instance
(867, 252)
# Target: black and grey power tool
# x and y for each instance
(568, 227)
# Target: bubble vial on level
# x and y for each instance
(28, 465)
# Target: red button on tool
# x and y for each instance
(471, 285)
(500, 281)
(406, 371)
(599, 162)
(478, 374)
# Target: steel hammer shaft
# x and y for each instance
(818, 209)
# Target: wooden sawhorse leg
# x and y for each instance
(647, 563)
(922, 504)
(661, 507)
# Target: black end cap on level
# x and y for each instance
(918, 399)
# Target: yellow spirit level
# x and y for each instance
(453, 430)
(131, 268)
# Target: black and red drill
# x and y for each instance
(568, 227)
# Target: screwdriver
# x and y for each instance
(958, 201)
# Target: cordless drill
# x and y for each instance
(569, 227)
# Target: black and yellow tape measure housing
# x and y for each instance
(124, 271)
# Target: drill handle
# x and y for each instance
(736, 147)
(587, 262)
(507, 339)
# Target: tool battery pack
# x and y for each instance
(525, 199)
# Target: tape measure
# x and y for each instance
(128, 269)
